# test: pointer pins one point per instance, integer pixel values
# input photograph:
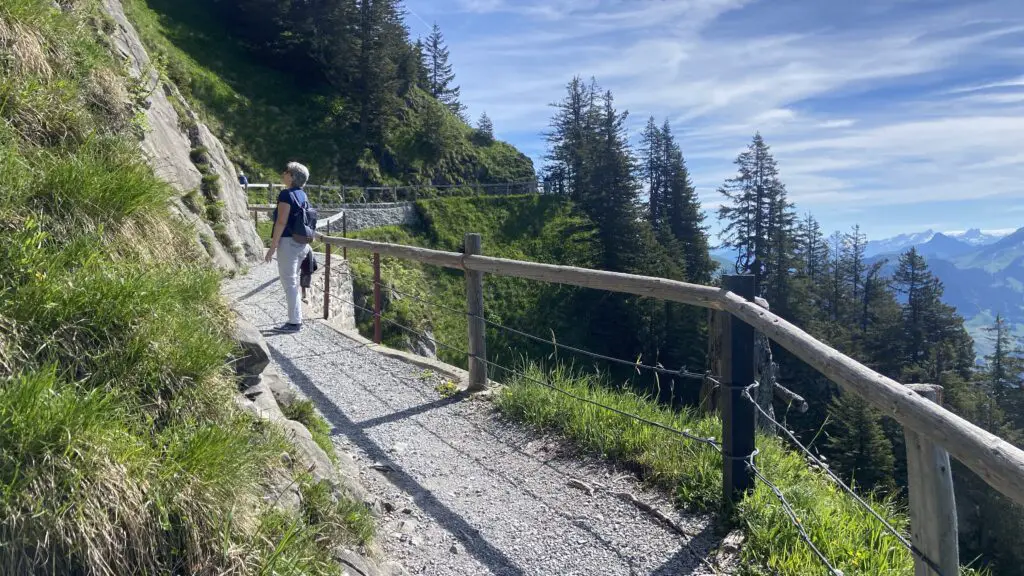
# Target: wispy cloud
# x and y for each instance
(1011, 83)
(868, 105)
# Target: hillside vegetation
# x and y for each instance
(120, 449)
(275, 85)
(540, 228)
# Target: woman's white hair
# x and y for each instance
(299, 173)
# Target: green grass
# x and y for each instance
(341, 520)
(844, 532)
(304, 412)
(263, 116)
(120, 449)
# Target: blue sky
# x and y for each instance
(899, 115)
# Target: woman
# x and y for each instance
(290, 253)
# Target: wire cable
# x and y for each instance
(682, 372)
(846, 488)
(708, 441)
(793, 518)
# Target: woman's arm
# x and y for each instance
(283, 208)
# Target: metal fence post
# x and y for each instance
(344, 234)
(475, 317)
(737, 412)
(376, 298)
(327, 277)
(933, 523)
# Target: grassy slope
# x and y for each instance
(528, 227)
(120, 451)
(267, 117)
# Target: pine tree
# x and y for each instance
(382, 37)
(857, 444)
(485, 129)
(440, 73)
(934, 339)
(1004, 368)
(422, 72)
(759, 219)
(571, 139)
(837, 288)
(653, 170)
(854, 246)
(682, 212)
(811, 250)
(612, 192)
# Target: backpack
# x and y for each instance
(302, 220)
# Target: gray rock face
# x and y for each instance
(235, 215)
(353, 563)
(279, 387)
(362, 216)
(255, 355)
(168, 148)
(424, 345)
(261, 397)
(309, 454)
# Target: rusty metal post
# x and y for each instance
(376, 298)
(327, 278)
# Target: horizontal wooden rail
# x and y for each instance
(998, 462)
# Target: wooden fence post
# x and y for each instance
(475, 317)
(737, 412)
(327, 277)
(376, 298)
(933, 524)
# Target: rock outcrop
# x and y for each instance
(174, 133)
(363, 216)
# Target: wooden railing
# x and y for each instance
(933, 433)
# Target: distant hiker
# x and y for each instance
(291, 237)
(309, 265)
(242, 179)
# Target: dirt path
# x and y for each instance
(463, 491)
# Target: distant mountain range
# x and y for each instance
(972, 237)
(983, 274)
(982, 271)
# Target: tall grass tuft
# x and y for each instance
(120, 449)
(845, 532)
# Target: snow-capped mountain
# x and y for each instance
(897, 243)
(901, 243)
(978, 237)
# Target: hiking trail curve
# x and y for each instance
(461, 490)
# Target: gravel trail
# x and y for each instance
(463, 491)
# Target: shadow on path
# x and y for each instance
(257, 290)
(687, 555)
(470, 537)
